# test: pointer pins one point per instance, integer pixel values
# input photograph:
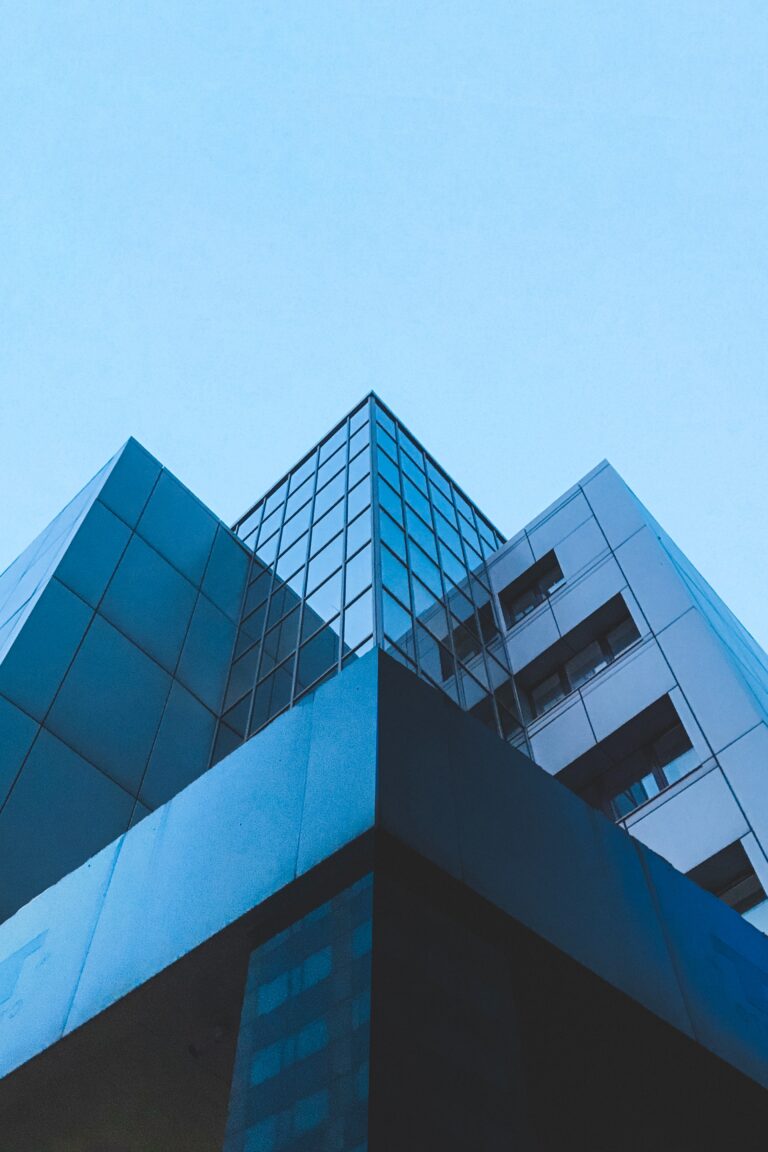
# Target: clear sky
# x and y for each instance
(538, 229)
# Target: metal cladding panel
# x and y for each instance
(377, 747)
(484, 813)
(42, 952)
(278, 805)
(131, 588)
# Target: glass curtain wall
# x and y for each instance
(366, 541)
(435, 606)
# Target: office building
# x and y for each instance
(278, 871)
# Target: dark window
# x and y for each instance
(531, 589)
(635, 763)
(729, 875)
(578, 656)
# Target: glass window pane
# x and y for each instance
(390, 501)
(408, 446)
(326, 498)
(276, 499)
(359, 573)
(327, 526)
(359, 467)
(250, 629)
(317, 656)
(585, 664)
(281, 601)
(281, 640)
(421, 533)
(359, 498)
(426, 570)
(333, 443)
(295, 527)
(385, 421)
(325, 562)
(267, 551)
(360, 418)
(546, 694)
(389, 471)
(251, 522)
(415, 499)
(395, 575)
(620, 637)
(243, 675)
(331, 467)
(385, 441)
(303, 471)
(322, 605)
(299, 498)
(359, 440)
(447, 534)
(358, 532)
(391, 534)
(414, 474)
(292, 559)
(358, 620)
(437, 478)
(397, 622)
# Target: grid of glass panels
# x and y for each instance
(436, 609)
(367, 540)
(308, 608)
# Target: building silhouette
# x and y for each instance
(314, 831)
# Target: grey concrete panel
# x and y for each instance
(562, 737)
(110, 704)
(428, 820)
(547, 532)
(660, 592)
(581, 548)
(150, 602)
(207, 652)
(226, 573)
(722, 705)
(630, 684)
(93, 554)
(182, 748)
(33, 667)
(509, 562)
(532, 636)
(130, 482)
(17, 731)
(707, 811)
(340, 800)
(224, 844)
(617, 511)
(60, 812)
(584, 596)
(179, 527)
(745, 764)
(42, 951)
(723, 965)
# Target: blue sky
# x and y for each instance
(537, 229)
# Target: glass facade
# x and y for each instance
(366, 540)
(302, 1068)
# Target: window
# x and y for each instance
(729, 875)
(531, 589)
(655, 766)
(578, 656)
(634, 763)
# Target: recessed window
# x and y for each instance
(578, 656)
(729, 875)
(635, 763)
(531, 589)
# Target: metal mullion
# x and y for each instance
(294, 674)
(376, 569)
(344, 557)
